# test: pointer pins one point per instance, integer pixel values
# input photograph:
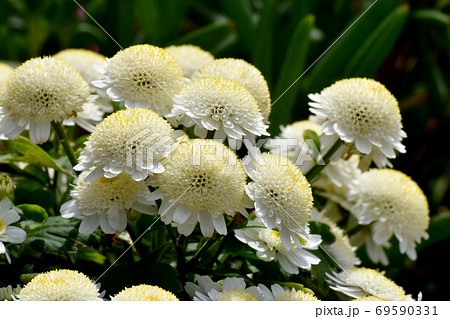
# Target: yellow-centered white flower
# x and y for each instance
(38, 92)
(361, 111)
(282, 195)
(278, 293)
(9, 234)
(245, 74)
(202, 181)
(132, 140)
(144, 76)
(144, 293)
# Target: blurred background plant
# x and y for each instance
(301, 47)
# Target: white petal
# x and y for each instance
(89, 224)
(219, 225)
(39, 131)
(16, 235)
(117, 219)
(206, 224)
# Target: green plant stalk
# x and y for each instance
(65, 142)
(316, 169)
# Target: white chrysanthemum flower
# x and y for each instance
(232, 289)
(361, 111)
(282, 195)
(361, 282)
(278, 293)
(132, 140)
(243, 73)
(190, 57)
(291, 141)
(38, 92)
(60, 285)
(144, 293)
(394, 204)
(104, 202)
(220, 105)
(9, 234)
(268, 245)
(341, 250)
(143, 76)
(202, 181)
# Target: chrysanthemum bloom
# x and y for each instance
(341, 250)
(245, 74)
(220, 105)
(394, 204)
(38, 92)
(291, 140)
(144, 293)
(104, 202)
(278, 293)
(361, 111)
(232, 289)
(282, 196)
(132, 140)
(361, 282)
(11, 234)
(268, 245)
(143, 76)
(202, 181)
(60, 285)
(190, 57)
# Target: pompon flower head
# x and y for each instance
(362, 282)
(38, 92)
(220, 105)
(232, 289)
(104, 202)
(143, 76)
(394, 204)
(291, 140)
(9, 234)
(278, 293)
(144, 293)
(268, 245)
(202, 181)
(243, 73)
(341, 250)
(60, 285)
(190, 57)
(361, 111)
(132, 140)
(282, 195)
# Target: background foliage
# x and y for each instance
(403, 44)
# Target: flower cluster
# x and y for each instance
(171, 167)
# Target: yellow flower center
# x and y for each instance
(235, 295)
(3, 227)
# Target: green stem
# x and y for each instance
(134, 234)
(316, 169)
(65, 142)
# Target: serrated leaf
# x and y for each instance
(33, 154)
(55, 236)
(368, 58)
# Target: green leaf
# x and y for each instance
(56, 236)
(241, 12)
(373, 51)
(286, 88)
(340, 52)
(432, 16)
(33, 212)
(33, 154)
(213, 37)
(438, 231)
(142, 272)
(262, 49)
(324, 231)
(91, 254)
